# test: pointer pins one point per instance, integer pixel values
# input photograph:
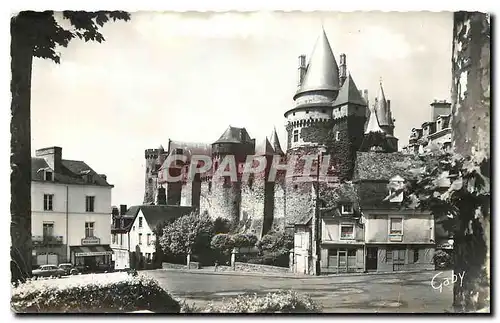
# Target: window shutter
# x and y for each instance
(411, 256)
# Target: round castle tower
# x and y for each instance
(328, 117)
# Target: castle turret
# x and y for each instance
(153, 163)
(235, 143)
(382, 107)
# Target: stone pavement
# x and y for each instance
(401, 292)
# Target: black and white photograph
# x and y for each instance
(201, 162)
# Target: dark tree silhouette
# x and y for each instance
(36, 34)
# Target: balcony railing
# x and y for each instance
(45, 240)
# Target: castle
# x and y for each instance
(330, 117)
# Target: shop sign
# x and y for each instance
(90, 241)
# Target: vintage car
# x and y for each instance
(68, 268)
(48, 271)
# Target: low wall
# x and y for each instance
(166, 265)
(242, 266)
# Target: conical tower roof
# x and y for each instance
(381, 107)
(263, 148)
(322, 70)
(373, 125)
(275, 143)
(349, 93)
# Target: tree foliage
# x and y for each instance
(456, 190)
(190, 233)
(45, 33)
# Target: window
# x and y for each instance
(148, 239)
(388, 255)
(49, 175)
(178, 151)
(295, 135)
(140, 238)
(396, 226)
(140, 222)
(298, 240)
(48, 230)
(89, 203)
(114, 237)
(133, 228)
(121, 239)
(307, 111)
(347, 208)
(347, 231)
(415, 255)
(48, 200)
(89, 229)
(150, 180)
(209, 187)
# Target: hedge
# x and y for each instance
(103, 293)
(276, 302)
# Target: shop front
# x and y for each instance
(92, 257)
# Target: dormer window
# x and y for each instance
(178, 151)
(49, 175)
(396, 185)
(337, 136)
(346, 208)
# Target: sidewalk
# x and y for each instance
(210, 271)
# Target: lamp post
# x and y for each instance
(317, 222)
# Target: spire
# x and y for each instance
(349, 93)
(381, 107)
(373, 125)
(275, 142)
(264, 148)
(322, 70)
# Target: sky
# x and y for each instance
(188, 76)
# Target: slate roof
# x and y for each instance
(264, 148)
(190, 148)
(155, 214)
(383, 166)
(322, 71)
(234, 135)
(70, 173)
(349, 93)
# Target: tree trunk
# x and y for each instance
(471, 137)
(20, 207)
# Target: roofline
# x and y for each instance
(61, 183)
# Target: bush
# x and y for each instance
(222, 242)
(103, 293)
(442, 259)
(277, 302)
(277, 259)
(243, 240)
(275, 241)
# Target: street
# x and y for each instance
(394, 292)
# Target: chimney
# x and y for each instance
(53, 157)
(162, 196)
(343, 69)
(123, 209)
(302, 68)
(365, 96)
(114, 211)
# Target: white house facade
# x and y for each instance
(71, 206)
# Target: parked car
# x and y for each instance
(68, 268)
(48, 271)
